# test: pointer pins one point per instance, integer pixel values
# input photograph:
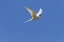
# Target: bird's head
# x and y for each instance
(39, 15)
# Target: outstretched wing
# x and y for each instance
(40, 11)
(28, 20)
(33, 14)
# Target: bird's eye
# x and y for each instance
(40, 15)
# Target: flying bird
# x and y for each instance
(33, 14)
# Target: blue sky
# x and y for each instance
(48, 28)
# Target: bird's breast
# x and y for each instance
(35, 18)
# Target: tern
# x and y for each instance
(33, 14)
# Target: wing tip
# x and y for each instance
(40, 8)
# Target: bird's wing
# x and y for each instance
(40, 11)
(33, 14)
(28, 20)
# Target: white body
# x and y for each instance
(33, 14)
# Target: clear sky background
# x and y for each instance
(48, 28)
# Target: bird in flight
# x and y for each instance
(33, 14)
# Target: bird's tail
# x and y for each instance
(28, 20)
